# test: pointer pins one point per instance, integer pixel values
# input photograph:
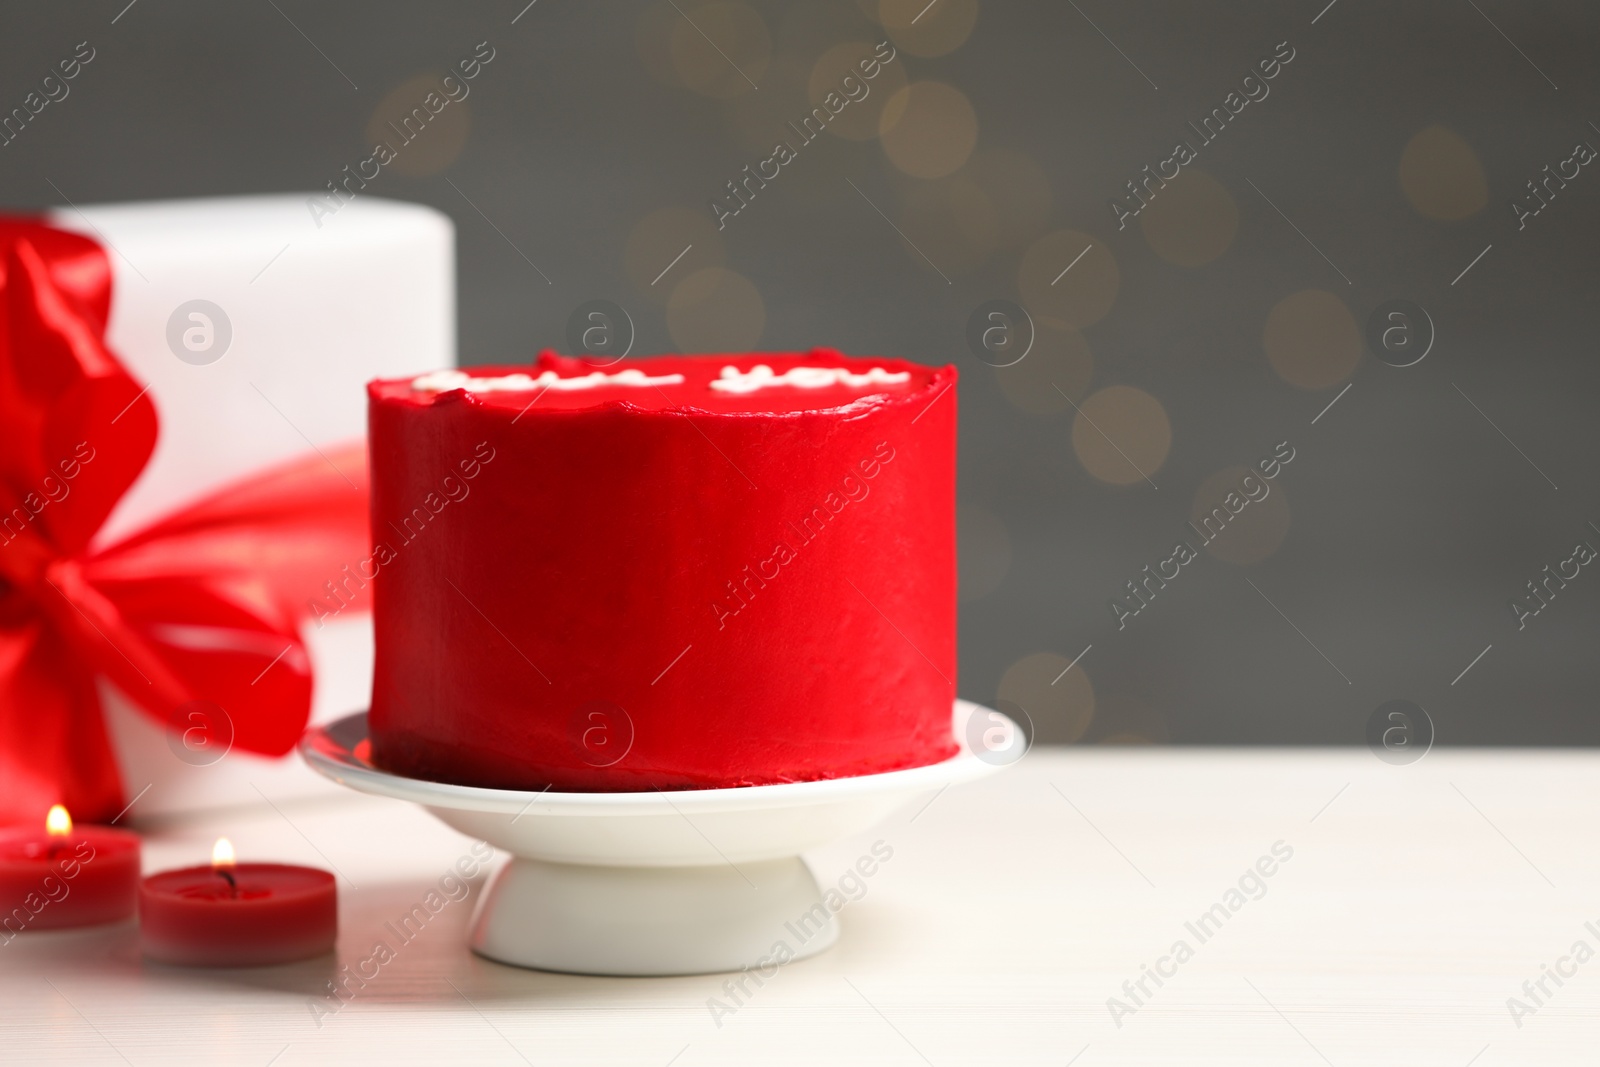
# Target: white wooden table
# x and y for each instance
(1417, 900)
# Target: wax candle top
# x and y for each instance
(237, 914)
(226, 885)
(66, 876)
(228, 880)
(245, 883)
(755, 383)
(58, 842)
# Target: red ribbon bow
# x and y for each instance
(202, 605)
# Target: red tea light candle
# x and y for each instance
(237, 914)
(66, 876)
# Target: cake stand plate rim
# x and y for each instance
(336, 760)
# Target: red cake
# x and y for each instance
(671, 573)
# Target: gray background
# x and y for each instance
(1413, 519)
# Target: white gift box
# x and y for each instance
(256, 330)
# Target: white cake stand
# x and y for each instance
(662, 883)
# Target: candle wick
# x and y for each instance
(227, 876)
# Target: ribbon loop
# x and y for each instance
(203, 605)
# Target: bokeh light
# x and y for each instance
(928, 29)
(660, 238)
(864, 118)
(1191, 221)
(1059, 362)
(1441, 175)
(1061, 705)
(1256, 529)
(1121, 435)
(719, 49)
(1070, 276)
(929, 129)
(652, 39)
(716, 310)
(436, 139)
(1312, 340)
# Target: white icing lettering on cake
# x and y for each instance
(445, 380)
(733, 380)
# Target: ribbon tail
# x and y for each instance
(94, 626)
(299, 530)
(237, 650)
(54, 748)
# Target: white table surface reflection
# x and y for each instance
(1416, 901)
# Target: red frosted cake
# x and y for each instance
(675, 573)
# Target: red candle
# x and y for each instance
(66, 876)
(237, 914)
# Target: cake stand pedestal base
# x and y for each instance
(651, 920)
(655, 883)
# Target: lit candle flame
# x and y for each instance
(58, 823)
(222, 854)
